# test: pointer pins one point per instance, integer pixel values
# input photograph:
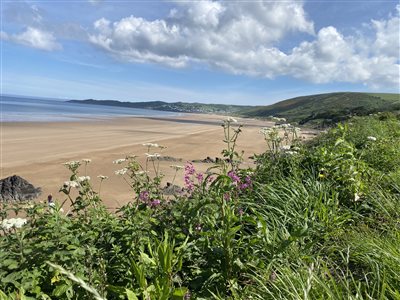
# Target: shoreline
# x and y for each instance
(36, 151)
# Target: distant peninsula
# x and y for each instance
(183, 107)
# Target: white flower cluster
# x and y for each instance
(154, 155)
(230, 120)
(141, 172)
(151, 145)
(13, 223)
(72, 164)
(119, 161)
(102, 177)
(71, 184)
(83, 178)
(121, 172)
(277, 119)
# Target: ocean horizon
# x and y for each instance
(34, 109)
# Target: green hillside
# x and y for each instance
(324, 109)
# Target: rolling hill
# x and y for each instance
(172, 107)
(325, 109)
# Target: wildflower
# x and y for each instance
(83, 178)
(240, 212)
(291, 152)
(119, 161)
(235, 178)
(86, 160)
(151, 145)
(285, 147)
(72, 165)
(189, 169)
(155, 203)
(155, 155)
(230, 120)
(121, 172)
(13, 223)
(198, 227)
(176, 167)
(144, 195)
(71, 184)
(102, 177)
(141, 172)
(371, 138)
(200, 177)
(356, 197)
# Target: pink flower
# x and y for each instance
(155, 203)
(144, 195)
(189, 169)
(200, 177)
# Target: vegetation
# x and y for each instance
(311, 221)
(172, 107)
(327, 109)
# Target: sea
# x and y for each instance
(28, 109)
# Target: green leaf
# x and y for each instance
(179, 293)
(131, 295)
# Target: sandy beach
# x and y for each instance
(36, 151)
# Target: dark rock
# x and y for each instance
(172, 189)
(166, 158)
(207, 160)
(15, 188)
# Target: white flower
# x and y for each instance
(102, 177)
(13, 222)
(121, 172)
(73, 184)
(151, 145)
(83, 178)
(119, 161)
(72, 164)
(371, 138)
(155, 155)
(176, 167)
(141, 172)
(291, 152)
(285, 147)
(86, 160)
(230, 120)
(356, 197)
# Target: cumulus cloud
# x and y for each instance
(243, 38)
(35, 38)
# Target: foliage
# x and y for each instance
(316, 220)
(327, 109)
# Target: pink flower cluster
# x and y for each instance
(239, 183)
(145, 197)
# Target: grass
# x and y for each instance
(326, 109)
(317, 221)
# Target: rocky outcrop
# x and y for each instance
(15, 188)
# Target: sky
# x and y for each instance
(230, 52)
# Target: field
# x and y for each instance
(314, 220)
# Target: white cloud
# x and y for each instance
(35, 38)
(243, 38)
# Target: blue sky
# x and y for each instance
(238, 52)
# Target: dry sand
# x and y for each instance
(36, 151)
